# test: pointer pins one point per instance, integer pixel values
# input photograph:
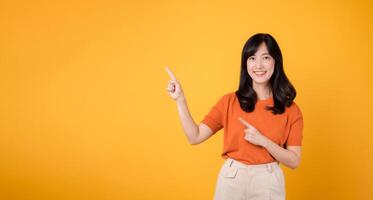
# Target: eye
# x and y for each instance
(251, 58)
(267, 57)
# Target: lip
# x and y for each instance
(260, 73)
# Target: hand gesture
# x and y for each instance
(174, 87)
(253, 135)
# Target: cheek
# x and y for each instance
(270, 72)
(250, 67)
(250, 71)
(271, 67)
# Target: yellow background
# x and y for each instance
(84, 112)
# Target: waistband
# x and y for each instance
(256, 167)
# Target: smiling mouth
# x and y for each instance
(260, 73)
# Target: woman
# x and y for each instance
(262, 124)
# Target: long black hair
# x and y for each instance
(283, 91)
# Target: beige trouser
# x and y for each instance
(239, 181)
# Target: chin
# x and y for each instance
(261, 81)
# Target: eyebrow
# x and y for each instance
(264, 54)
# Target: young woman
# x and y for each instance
(263, 126)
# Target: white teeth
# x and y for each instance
(260, 72)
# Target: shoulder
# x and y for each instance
(229, 95)
(225, 99)
(294, 111)
(294, 107)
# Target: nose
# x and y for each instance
(258, 64)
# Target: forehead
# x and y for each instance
(262, 49)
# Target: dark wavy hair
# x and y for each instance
(283, 91)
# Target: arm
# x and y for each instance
(289, 156)
(195, 134)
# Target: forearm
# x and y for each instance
(286, 157)
(189, 126)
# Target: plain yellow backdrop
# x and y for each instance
(84, 112)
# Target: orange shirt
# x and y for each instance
(284, 129)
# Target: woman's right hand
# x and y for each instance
(174, 87)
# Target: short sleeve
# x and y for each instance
(296, 129)
(214, 119)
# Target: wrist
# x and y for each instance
(266, 144)
(180, 99)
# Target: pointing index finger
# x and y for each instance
(245, 123)
(170, 73)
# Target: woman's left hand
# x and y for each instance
(253, 135)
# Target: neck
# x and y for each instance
(263, 91)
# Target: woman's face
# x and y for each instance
(261, 65)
